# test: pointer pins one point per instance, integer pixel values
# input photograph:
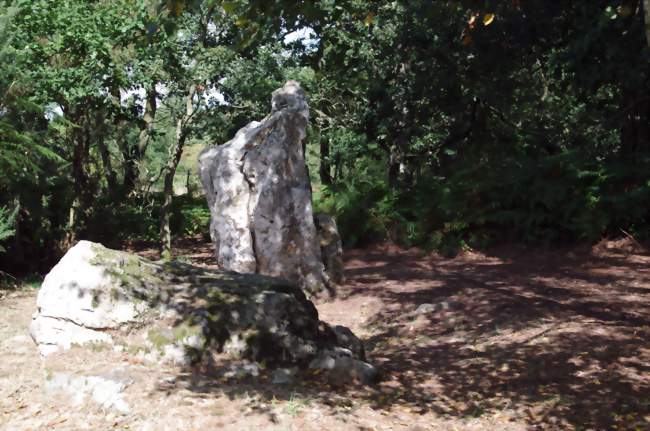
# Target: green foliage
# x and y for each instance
(7, 222)
(555, 199)
(448, 127)
(137, 220)
(74, 82)
(191, 216)
(483, 122)
(362, 208)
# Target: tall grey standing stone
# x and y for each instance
(259, 194)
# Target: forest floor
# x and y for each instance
(513, 339)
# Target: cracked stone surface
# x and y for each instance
(258, 190)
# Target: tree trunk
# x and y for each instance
(325, 170)
(646, 9)
(120, 123)
(149, 117)
(80, 177)
(635, 129)
(111, 177)
(393, 168)
(175, 153)
(70, 236)
(101, 132)
(134, 157)
(396, 161)
(17, 249)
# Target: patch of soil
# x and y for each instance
(193, 249)
(558, 339)
(509, 339)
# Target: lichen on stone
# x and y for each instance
(180, 311)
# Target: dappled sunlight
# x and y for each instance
(554, 342)
(559, 339)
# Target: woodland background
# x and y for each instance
(442, 124)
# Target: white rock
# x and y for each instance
(106, 392)
(79, 290)
(342, 368)
(79, 300)
(242, 370)
(259, 194)
(52, 334)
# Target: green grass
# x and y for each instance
(295, 405)
(23, 284)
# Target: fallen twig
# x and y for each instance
(629, 235)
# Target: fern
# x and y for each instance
(7, 220)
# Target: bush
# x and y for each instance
(190, 216)
(137, 220)
(7, 220)
(535, 200)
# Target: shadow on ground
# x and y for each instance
(558, 339)
(552, 339)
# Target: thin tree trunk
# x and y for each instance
(646, 10)
(325, 169)
(338, 168)
(134, 157)
(149, 117)
(393, 170)
(394, 164)
(175, 153)
(70, 236)
(101, 132)
(119, 123)
(111, 177)
(80, 177)
(17, 249)
(635, 132)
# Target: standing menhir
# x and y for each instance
(259, 194)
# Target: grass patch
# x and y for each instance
(295, 405)
(24, 284)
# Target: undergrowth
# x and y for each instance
(555, 199)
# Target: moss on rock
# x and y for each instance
(204, 311)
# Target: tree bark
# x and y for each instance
(646, 10)
(396, 160)
(325, 169)
(17, 249)
(81, 145)
(119, 123)
(101, 132)
(393, 167)
(134, 157)
(635, 129)
(175, 153)
(149, 117)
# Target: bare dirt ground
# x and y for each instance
(512, 339)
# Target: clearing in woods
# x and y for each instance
(511, 339)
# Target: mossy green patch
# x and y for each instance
(94, 302)
(186, 330)
(159, 339)
(98, 346)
